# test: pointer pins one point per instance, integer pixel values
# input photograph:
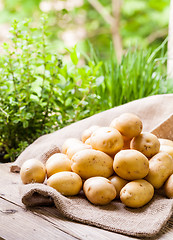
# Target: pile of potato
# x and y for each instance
(115, 162)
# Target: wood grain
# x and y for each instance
(16, 223)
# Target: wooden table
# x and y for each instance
(19, 223)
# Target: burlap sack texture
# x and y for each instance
(156, 114)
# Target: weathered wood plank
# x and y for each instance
(17, 223)
(77, 229)
(9, 184)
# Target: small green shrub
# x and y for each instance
(39, 92)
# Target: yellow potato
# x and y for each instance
(165, 142)
(128, 124)
(130, 164)
(160, 168)
(136, 193)
(68, 143)
(168, 149)
(32, 171)
(107, 140)
(99, 190)
(76, 148)
(168, 187)
(88, 141)
(118, 183)
(87, 133)
(89, 163)
(58, 162)
(67, 183)
(147, 143)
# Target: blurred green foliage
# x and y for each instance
(142, 22)
(141, 73)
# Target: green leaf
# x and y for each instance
(74, 56)
(25, 124)
(28, 116)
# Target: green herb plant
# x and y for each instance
(39, 92)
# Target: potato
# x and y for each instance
(128, 124)
(168, 187)
(99, 190)
(68, 143)
(87, 133)
(89, 163)
(107, 140)
(160, 168)
(136, 193)
(58, 162)
(168, 149)
(147, 143)
(76, 148)
(32, 171)
(118, 183)
(88, 141)
(165, 142)
(67, 183)
(130, 164)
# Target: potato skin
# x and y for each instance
(88, 141)
(147, 143)
(107, 140)
(128, 124)
(160, 168)
(136, 193)
(58, 162)
(67, 183)
(164, 141)
(168, 187)
(76, 148)
(118, 183)
(68, 143)
(90, 163)
(88, 132)
(130, 164)
(32, 171)
(99, 190)
(168, 149)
